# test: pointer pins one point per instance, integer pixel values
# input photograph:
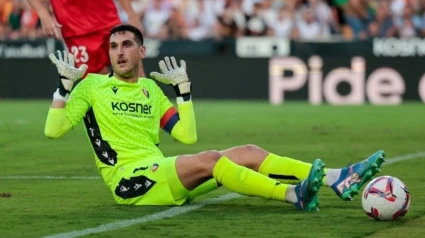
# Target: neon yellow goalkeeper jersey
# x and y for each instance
(122, 120)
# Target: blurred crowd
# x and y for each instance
(217, 19)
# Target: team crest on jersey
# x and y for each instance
(145, 92)
(155, 167)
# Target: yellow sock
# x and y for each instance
(202, 189)
(287, 170)
(284, 169)
(247, 182)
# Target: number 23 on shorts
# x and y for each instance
(80, 54)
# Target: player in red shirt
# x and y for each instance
(84, 25)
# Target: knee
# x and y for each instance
(250, 148)
(208, 159)
(210, 156)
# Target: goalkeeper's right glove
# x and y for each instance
(172, 74)
(68, 74)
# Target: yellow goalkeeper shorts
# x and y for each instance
(149, 182)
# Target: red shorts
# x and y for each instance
(91, 49)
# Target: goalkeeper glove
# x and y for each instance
(172, 74)
(68, 74)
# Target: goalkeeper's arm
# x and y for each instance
(182, 124)
(61, 119)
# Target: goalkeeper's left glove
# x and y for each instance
(172, 74)
(68, 74)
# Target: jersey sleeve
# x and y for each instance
(181, 123)
(61, 120)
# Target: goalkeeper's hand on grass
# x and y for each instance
(174, 75)
(68, 74)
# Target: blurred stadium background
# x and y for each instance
(336, 51)
(285, 65)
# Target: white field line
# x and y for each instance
(175, 211)
(405, 157)
(172, 212)
(19, 121)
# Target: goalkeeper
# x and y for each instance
(123, 115)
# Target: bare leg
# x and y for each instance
(249, 156)
(193, 170)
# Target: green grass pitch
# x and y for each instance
(337, 134)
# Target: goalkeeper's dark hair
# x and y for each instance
(126, 27)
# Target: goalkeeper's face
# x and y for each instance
(125, 54)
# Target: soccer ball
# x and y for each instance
(386, 198)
